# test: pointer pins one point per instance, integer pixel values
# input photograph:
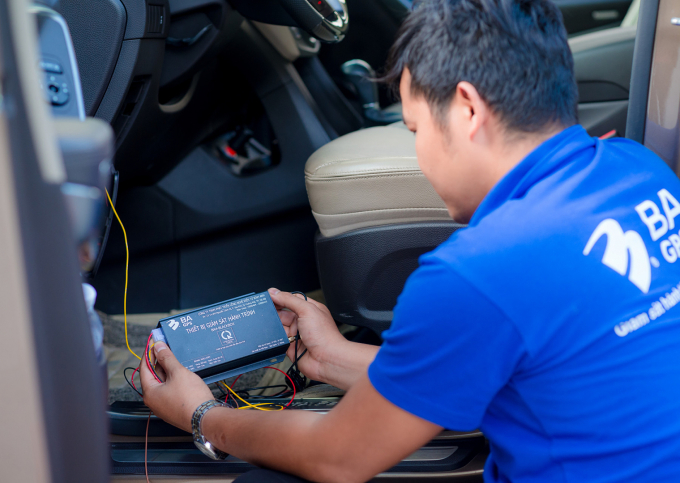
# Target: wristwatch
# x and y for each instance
(199, 440)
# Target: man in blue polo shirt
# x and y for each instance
(552, 322)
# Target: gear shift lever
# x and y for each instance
(360, 74)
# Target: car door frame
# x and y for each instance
(53, 414)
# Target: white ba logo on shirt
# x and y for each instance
(628, 250)
(623, 250)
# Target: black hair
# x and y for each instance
(514, 52)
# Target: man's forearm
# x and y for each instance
(346, 363)
(291, 441)
(286, 441)
(360, 437)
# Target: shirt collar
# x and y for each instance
(539, 163)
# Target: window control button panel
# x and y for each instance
(56, 89)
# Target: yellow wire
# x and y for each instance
(127, 262)
(254, 406)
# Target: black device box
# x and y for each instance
(227, 338)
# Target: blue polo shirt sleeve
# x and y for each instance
(449, 349)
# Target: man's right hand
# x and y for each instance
(318, 332)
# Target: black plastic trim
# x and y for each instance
(642, 67)
(265, 11)
(129, 418)
(96, 54)
(362, 272)
(183, 6)
(600, 91)
(137, 19)
(115, 178)
(120, 80)
(189, 461)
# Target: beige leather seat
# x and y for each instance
(377, 213)
(370, 178)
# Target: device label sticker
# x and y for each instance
(243, 327)
(207, 360)
(269, 345)
(227, 337)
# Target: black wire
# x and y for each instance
(246, 395)
(271, 405)
(221, 390)
(285, 393)
(297, 337)
(261, 387)
(294, 373)
(299, 380)
(278, 395)
(128, 380)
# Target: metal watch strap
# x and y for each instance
(199, 439)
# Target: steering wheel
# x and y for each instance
(326, 20)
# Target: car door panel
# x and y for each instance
(603, 63)
(583, 15)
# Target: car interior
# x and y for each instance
(244, 145)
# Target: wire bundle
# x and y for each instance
(259, 406)
(147, 359)
(294, 377)
(297, 380)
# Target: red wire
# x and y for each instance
(148, 362)
(146, 447)
(609, 135)
(232, 387)
(232, 384)
(146, 437)
(291, 383)
(132, 379)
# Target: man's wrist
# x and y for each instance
(210, 423)
(345, 362)
(188, 418)
(203, 442)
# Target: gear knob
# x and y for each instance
(360, 74)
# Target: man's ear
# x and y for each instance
(469, 104)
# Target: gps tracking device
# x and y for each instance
(227, 338)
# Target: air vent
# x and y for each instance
(155, 18)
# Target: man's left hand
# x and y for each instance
(181, 392)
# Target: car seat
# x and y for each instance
(377, 213)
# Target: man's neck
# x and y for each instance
(509, 153)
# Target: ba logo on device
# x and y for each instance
(623, 251)
(173, 324)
